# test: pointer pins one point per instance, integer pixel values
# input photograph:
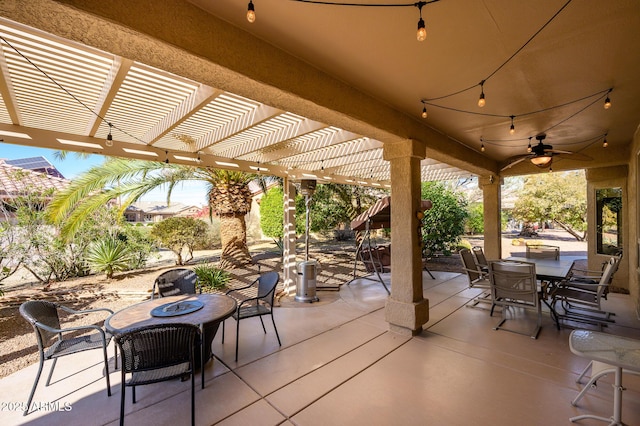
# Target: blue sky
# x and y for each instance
(191, 193)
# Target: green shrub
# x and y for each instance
(109, 255)
(464, 244)
(212, 277)
(178, 233)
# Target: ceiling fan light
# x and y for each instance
(542, 161)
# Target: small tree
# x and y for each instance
(557, 197)
(443, 224)
(179, 233)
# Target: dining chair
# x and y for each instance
(581, 301)
(477, 278)
(255, 300)
(55, 342)
(481, 260)
(175, 282)
(514, 284)
(578, 277)
(542, 252)
(157, 353)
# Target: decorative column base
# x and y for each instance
(406, 318)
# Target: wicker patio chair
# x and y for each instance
(157, 353)
(255, 300)
(55, 342)
(175, 282)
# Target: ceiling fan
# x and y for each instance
(541, 155)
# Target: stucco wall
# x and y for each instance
(634, 222)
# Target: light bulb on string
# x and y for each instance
(481, 101)
(109, 141)
(422, 30)
(604, 142)
(607, 102)
(529, 146)
(482, 145)
(251, 12)
(424, 112)
(512, 129)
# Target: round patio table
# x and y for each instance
(215, 309)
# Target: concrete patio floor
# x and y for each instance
(339, 365)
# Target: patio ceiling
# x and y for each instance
(64, 95)
(311, 89)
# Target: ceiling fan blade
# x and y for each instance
(515, 160)
(572, 155)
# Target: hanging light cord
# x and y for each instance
(104, 120)
(600, 95)
(505, 62)
(330, 3)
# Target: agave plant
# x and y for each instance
(109, 255)
(212, 277)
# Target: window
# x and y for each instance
(609, 220)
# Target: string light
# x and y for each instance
(529, 146)
(422, 30)
(482, 145)
(607, 102)
(424, 112)
(604, 142)
(251, 12)
(481, 101)
(512, 129)
(109, 141)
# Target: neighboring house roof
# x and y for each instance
(16, 180)
(37, 164)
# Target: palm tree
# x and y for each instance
(128, 180)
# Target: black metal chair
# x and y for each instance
(175, 282)
(157, 353)
(55, 342)
(255, 300)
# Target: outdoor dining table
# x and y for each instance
(204, 310)
(548, 270)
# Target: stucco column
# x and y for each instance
(289, 238)
(406, 310)
(491, 197)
